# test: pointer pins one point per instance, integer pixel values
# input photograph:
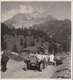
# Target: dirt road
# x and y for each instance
(15, 70)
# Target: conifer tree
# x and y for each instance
(37, 39)
(41, 43)
(25, 44)
(4, 45)
(21, 42)
(14, 48)
(32, 43)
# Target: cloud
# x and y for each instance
(7, 15)
(22, 9)
(25, 9)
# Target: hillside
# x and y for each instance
(57, 30)
(18, 39)
(35, 25)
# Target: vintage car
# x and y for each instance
(36, 58)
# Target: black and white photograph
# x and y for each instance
(36, 39)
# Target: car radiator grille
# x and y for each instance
(33, 59)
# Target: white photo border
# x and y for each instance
(71, 36)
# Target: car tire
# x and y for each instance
(41, 67)
(44, 64)
(26, 67)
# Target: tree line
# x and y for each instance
(28, 32)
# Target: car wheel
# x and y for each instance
(44, 64)
(25, 66)
(41, 67)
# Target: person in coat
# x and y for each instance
(4, 60)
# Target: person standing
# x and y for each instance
(51, 59)
(4, 60)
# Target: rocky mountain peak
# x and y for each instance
(26, 20)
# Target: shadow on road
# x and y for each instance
(32, 68)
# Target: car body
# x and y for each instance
(37, 58)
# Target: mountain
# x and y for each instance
(58, 30)
(11, 37)
(27, 20)
(52, 26)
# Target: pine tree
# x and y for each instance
(32, 43)
(14, 48)
(41, 43)
(3, 44)
(50, 48)
(21, 42)
(37, 39)
(25, 44)
(55, 49)
(42, 40)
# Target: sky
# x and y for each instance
(59, 10)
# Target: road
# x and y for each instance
(15, 70)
